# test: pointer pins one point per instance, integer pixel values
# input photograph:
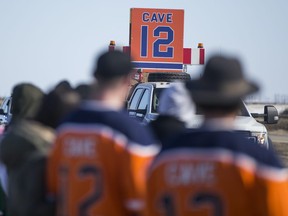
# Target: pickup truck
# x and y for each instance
(144, 101)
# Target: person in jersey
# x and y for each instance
(213, 170)
(99, 160)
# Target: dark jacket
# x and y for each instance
(18, 148)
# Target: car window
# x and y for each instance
(144, 100)
(155, 102)
(135, 98)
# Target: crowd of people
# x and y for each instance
(75, 151)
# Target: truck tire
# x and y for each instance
(168, 77)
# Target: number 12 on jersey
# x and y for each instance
(196, 202)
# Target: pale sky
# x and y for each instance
(45, 41)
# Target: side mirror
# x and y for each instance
(141, 112)
(271, 115)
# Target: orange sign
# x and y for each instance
(156, 38)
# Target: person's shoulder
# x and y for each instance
(165, 127)
(235, 143)
(117, 121)
(15, 130)
(133, 129)
(261, 155)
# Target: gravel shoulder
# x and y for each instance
(282, 150)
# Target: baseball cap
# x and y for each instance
(112, 64)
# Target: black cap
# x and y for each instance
(112, 64)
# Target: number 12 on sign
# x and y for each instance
(158, 43)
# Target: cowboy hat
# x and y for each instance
(222, 83)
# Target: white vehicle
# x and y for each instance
(5, 111)
(144, 102)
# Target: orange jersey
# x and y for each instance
(216, 173)
(97, 169)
